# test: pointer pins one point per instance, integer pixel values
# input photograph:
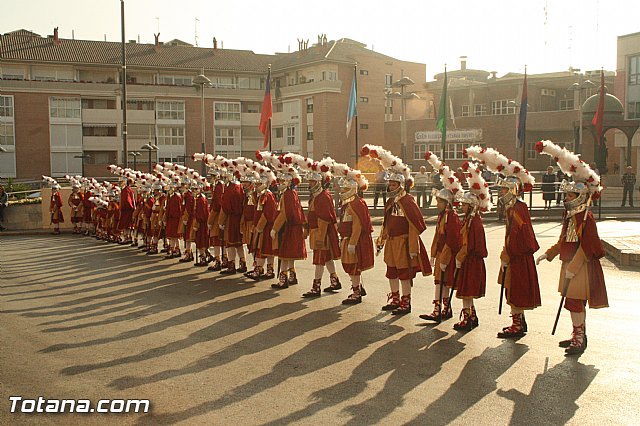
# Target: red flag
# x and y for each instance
(267, 112)
(599, 115)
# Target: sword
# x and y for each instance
(564, 295)
(453, 287)
(504, 277)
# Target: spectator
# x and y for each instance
(421, 180)
(616, 168)
(4, 202)
(436, 185)
(380, 187)
(488, 177)
(628, 183)
(560, 176)
(548, 187)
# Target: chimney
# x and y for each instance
(56, 39)
(463, 63)
(493, 74)
(157, 42)
(215, 43)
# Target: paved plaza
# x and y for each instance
(86, 319)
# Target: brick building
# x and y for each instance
(61, 101)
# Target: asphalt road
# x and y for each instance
(85, 319)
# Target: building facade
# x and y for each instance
(61, 102)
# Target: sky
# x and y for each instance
(495, 35)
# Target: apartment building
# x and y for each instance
(61, 101)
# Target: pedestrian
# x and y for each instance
(548, 187)
(446, 241)
(436, 185)
(579, 247)
(404, 252)
(380, 187)
(628, 183)
(4, 203)
(421, 180)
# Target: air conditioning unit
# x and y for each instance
(548, 92)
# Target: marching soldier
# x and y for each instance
(263, 218)
(188, 214)
(75, 202)
(404, 252)
(231, 205)
(248, 212)
(579, 246)
(127, 208)
(199, 228)
(173, 221)
(212, 223)
(55, 208)
(88, 212)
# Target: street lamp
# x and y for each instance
(403, 96)
(135, 156)
(577, 87)
(202, 81)
(148, 147)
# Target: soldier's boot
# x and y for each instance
(405, 306)
(256, 274)
(334, 284)
(435, 315)
(474, 317)
(216, 266)
(393, 301)
(516, 329)
(243, 266)
(315, 289)
(447, 312)
(293, 278)
(354, 298)
(283, 281)
(188, 257)
(230, 269)
(465, 324)
(578, 342)
(270, 274)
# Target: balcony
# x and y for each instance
(101, 143)
(303, 89)
(101, 116)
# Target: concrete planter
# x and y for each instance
(19, 217)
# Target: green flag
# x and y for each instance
(441, 124)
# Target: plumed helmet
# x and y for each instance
(446, 195)
(396, 177)
(470, 198)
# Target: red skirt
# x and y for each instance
(202, 235)
(125, 219)
(172, 227)
(320, 257)
(187, 229)
(232, 234)
(472, 278)
(292, 245)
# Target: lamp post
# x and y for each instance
(202, 81)
(403, 96)
(135, 155)
(149, 148)
(577, 87)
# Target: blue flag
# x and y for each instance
(522, 119)
(353, 106)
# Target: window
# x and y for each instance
(388, 80)
(6, 134)
(140, 105)
(502, 107)
(64, 108)
(453, 151)
(6, 106)
(227, 136)
(170, 110)
(221, 82)
(309, 105)
(171, 136)
(291, 135)
(566, 104)
(8, 73)
(175, 80)
(249, 83)
(98, 103)
(364, 99)
(66, 163)
(479, 109)
(566, 145)
(278, 132)
(634, 70)
(277, 107)
(388, 110)
(65, 136)
(419, 149)
(141, 131)
(251, 108)
(309, 133)
(226, 111)
(633, 112)
(52, 74)
(329, 75)
(177, 159)
(99, 131)
(531, 150)
(364, 126)
(466, 110)
(103, 157)
(364, 72)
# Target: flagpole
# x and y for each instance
(269, 123)
(443, 111)
(355, 79)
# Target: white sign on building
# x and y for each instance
(465, 135)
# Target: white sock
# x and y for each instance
(319, 270)
(216, 251)
(436, 296)
(240, 251)
(394, 283)
(406, 287)
(270, 260)
(515, 310)
(331, 266)
(578, 318)
(231, 255)
(467, 303)
(355, 280)
(260, 262)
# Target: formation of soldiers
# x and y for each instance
(253, 209)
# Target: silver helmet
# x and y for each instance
(395, 177)
(579, 188)
(348, 189)
(317, 178)
(446, 195)
(513, 185)
(470, 198)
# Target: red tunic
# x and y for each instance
(472, 277)
(188, 212)
(248, 211)
(292, 245)
(231, 204)
(265, 215)
(447, 237)
(214, 210)
(55, 208)
(127, 206)
(364, 245)
(88, 208)
(200, 218)
(173, 212)
(138, 213)
(520, 245)
(397, 227)
(76, 200)
(113, 215)
(321, 207)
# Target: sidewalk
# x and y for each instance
(621, 240)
